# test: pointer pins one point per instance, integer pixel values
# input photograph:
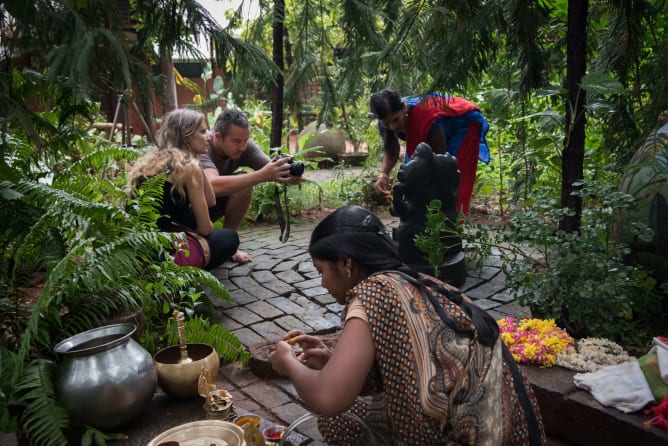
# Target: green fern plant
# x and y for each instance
(11, 368)
(97, 255)
(38, 396)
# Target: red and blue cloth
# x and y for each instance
(465, 134)
(457, 116)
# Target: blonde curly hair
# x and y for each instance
(172, 155)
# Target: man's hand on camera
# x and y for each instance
(277, 170)
(295, 169)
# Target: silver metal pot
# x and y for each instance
(105, 378)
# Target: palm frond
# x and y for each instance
(20, 119)
(522, 21)
(358, 19)
(298, 75)
(248, 58)
(85, 53)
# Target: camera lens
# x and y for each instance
(296, 168)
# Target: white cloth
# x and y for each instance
(622, 386)
(661, 346)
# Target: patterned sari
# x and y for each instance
(430, 383)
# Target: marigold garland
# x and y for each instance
(534, 341)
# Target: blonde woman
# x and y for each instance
(187, 193)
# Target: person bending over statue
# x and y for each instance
(447, 123)
(230, 147)
(416, 360)
(187, 193)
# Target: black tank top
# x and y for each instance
(175, 209)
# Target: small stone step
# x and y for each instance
(574, 416)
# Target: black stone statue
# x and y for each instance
(426, 177)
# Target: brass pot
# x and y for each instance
(179, 380)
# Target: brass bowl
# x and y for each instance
(180, 380)
(198, 433)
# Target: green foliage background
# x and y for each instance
(78, 254)
(63, 216)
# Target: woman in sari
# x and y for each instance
(416, 359)
(448, 124)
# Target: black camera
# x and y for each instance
(296, 167)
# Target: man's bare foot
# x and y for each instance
(242, 257)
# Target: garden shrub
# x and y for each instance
(580, 278)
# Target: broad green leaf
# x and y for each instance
(550, 91)
(601, 83)
(600, 106)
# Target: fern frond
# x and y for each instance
(37, 194)
(90, 311)
(92, 283)
(98, 161)
(11, 367)
(190, 274)
(143, 208)
(198, 330)
(23, 251)
(48, 294)
(43, 420)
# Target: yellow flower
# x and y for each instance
(534, 341)
(507, 338)
(530, 351)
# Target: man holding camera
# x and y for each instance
(230, 147)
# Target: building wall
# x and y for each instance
(184, 97)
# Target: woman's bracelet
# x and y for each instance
(383, 175)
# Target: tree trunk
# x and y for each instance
(167, 69)
(573, 154)
(296, 107)
(275, 138)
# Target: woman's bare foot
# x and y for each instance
(242, 257)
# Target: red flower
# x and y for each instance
(661, 412)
